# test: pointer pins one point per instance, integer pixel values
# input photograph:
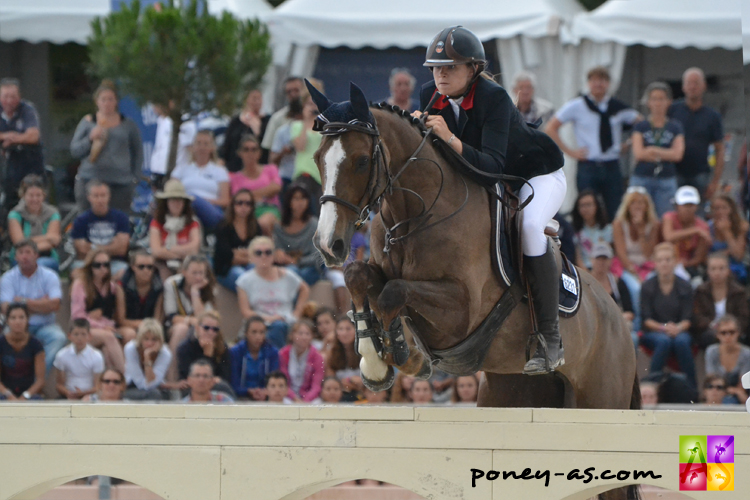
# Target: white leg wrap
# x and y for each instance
(372, 367)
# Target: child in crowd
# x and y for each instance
(325, 330)
(343, 361)
(649, 393)
(591, 225)
(78, 364)
(465, 390)
(688, 232)
(252, 360)
(302, 363)
(421, 391)
(331, 391)
(277, 386)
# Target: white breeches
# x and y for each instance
(549, 194)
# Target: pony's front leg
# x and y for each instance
(365, 283)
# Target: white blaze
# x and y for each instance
(327, 222)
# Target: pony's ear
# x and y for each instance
(359, 103)
(321, 101)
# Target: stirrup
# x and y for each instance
(531, 367)
(372, 330)
(397, 345)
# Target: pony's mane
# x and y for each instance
(403, 113)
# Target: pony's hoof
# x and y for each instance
(380, 385)
(425, 371)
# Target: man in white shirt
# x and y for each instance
(292, 90)
(78, 364)
(163, 142)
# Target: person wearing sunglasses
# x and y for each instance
(263, 181)
(207, 343)
(714, 390)
(269, 291)
(98, 298)
(231, 256)
(729, 359)
(111, 387)
(143, 291)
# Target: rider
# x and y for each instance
(476, 117)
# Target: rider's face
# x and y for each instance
(452, 80)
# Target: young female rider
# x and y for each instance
(476, 117)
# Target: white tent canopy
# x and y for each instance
(703, 24)
(60, 22)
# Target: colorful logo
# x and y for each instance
(439, 47)
(707, 463)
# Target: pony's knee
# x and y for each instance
(393, 297)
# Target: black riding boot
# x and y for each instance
(543, 277)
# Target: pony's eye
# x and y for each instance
(362, 163)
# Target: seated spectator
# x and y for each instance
(344, 360)
(729, 359)
(263, 181)
(207, 181)
(720, 295)
(251, 360)
(174, 233)
(277, 388)
(282, 149)
(614, 286)
(147, 360)
(442, 386)
(95, 296)
(714, 390)
(208, 344)
(666, 307)
(401, 390)
(269, 291)
(649, 394)
(111, 387)
(294, 237)
(187, 296)
(465, 390)
(78, 365)
(302, 363)
(143, 292)
(658, 143)
(591, 225)
(250, 120)
(306, 142)
(21, 358)
(373, 398)
(101, 228)
(421, 391)
(231, 255)
(331, 391)
(325, 330)
(688, 232)
(33, 218)
(200, 379)
(39, 289)
(729, 233)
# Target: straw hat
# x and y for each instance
(174, 189)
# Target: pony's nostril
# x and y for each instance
(338, 248)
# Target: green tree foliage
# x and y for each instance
(591, 4)
(180, 58)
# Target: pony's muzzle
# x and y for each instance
(334, 251)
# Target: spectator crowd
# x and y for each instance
(667, 241)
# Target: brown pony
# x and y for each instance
(439, 281)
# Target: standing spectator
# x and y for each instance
(35, 219)
(658, 143)
(111, 387)
(262, 181)
(206, 180)
(294, 236)
(602, 261)
(95, 296)
(534, 110)
(292, 89)
(143, 292)
(331, 391)
(251, 360)
(421, 391)
(186, 297)
(729, 233)
(591, 226)
(102, 228)
(282, 150)
(201, 379)
(277, 388)
(687, 231)
(343, 361)
(147, 360)
(231, 255)
(401, 84)
(208, 344)
(110, 149)
(306, 142)
(729, 358)
(465, 389)
(163, 144)
(666, 308)
(20, 139)
(249, 121)
(38, 288)
(719, 296)
(703, 128)
(598, 121)
(21, 358)
(275, 294)
(174, 233)
(78, 365)
(302, 363)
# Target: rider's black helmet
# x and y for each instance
(455, 45)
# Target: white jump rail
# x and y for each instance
(197, 452)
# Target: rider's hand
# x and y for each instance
(439, 127)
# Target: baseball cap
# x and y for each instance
(601, 249)
(687, 195)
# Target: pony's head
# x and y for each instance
(349, 170)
